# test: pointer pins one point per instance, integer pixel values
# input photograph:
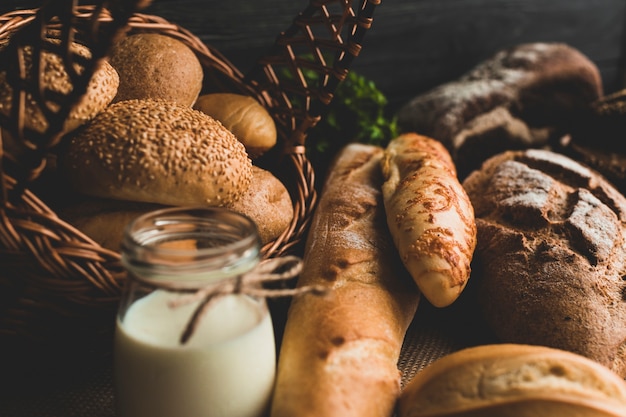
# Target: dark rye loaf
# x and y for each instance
(550, 263)
(521, 97)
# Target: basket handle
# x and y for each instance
(299, 75)
(55, 106)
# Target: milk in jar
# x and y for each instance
(227, 367)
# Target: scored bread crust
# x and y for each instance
(157, 151)
(514, 380)
(339, 352)
(551, 254)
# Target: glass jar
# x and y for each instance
(227, 366)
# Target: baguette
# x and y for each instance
(429, 215)
(339, 352)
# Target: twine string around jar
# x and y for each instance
(251, 283)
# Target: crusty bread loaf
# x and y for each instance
(429, 215)
(551, 254)
(512, 380)
(339, 352)
(157, 151)
(542, 87)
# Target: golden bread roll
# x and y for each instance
(513, 380)
(100, 91)
(339, 352)
(268, 203)
(249, 121)
(157, 151)
(429, 215)
(156, 66)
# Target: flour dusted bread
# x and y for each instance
(514, 380)
(551, 254)
(340, 351)
(523, 96)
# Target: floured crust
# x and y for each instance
(551, 254)
(540, 87)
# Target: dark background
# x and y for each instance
(413, 44)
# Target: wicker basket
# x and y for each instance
(58, 288)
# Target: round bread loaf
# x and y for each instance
(249, 121)
(540, 88)
(156, 66)
(550, 260)
(157, 151)
(513, 380)
(100, 90)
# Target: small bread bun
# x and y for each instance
(249, 121)
(510, 380)
(156, 66)
(100, 90)
(267, 203)
(157, 151)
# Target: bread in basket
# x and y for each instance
(58, 288)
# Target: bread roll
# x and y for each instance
(160, 152)
(429, 215)
(249, 121)
(156, 66)
(268, 203)
(544, 86)
(339, 352)
(510, 380)
(551, 255)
